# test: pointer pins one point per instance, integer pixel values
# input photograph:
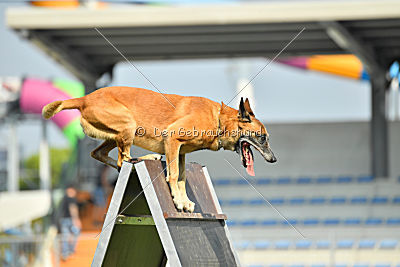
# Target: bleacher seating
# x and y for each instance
(300, 180)
(315, 221)
(336, 200)
(341, 216)
(319, 244)
(326, 265)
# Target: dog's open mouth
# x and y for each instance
(247, 157)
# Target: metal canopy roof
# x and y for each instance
(211, 31)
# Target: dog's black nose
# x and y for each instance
(273, 159)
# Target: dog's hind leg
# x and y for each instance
(124, 141)
(101, 153)
(188, 205)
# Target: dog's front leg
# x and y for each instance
(172, 147)
(188, 205)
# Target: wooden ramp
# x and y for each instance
(143, 228)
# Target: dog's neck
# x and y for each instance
(219, 131)
(227, 124)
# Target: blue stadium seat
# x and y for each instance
(344, 179)
(242, 245)
(340, 265)
(222, 202)
(331, 221)
(393, 221)
(323, 244)
(256, 201)
(352, 221)
(282, 244)
(303, 244)
(242, 182)
(319, 265)
(276, 265)
(366, 243)
(235, 202)
(297, 200)
(382, 265)
(338, 200)
(222, 182)
(296, 265)
(291, 221)
(269, 222)
(365, 179)
(249, 223)
(360, 265)
(262, 244)
(276, 201)
(255, 265)
(388, 244)
(283, 180)
(324, 180)
(263, 181)
(311, 221)
(303, 180)
(358, 200)
(317, 200)
(396, 199)
(373, 221)
(347, 243)
(379, 200)
(231, 223)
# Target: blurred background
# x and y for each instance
(330, 101)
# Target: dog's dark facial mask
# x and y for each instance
(256, 138)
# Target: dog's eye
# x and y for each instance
(263, 138)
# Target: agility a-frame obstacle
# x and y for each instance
(150, 231)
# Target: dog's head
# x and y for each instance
(251, 133)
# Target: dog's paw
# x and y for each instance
(152, 157)
(183, 204)
(188, 206)
(179, 203)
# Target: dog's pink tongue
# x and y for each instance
(250, 169)
(249, 163)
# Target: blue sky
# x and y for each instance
(282, 94)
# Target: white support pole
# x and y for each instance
(13, 159)
(240, 72)
(44, 159)
(395, 89)
(393, 100)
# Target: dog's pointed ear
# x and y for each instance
(243, 114)
(222, 105)
(247, 107)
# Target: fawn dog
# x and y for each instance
(126, 116)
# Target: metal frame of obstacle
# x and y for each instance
(150, 231)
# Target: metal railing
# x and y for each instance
(35, 250)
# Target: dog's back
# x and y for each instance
(110, 110)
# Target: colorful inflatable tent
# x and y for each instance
(36, 93)
(342, 65)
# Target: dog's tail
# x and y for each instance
(54, 107)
